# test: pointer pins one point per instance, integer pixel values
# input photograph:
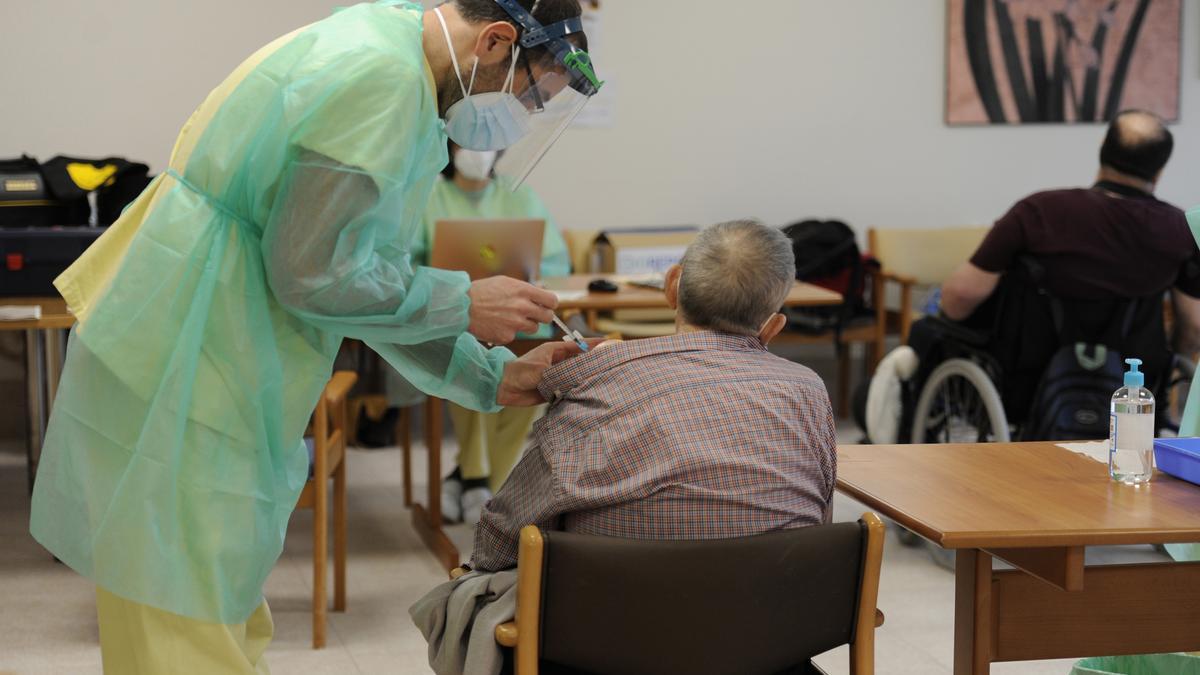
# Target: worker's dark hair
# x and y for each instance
(548, 12)
(1138, 144)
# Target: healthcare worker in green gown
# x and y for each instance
(489, 444)
(210, 314)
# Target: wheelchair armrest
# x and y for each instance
(957, 331)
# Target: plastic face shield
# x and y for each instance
(553, 90)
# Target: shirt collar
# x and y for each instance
(1123, 190)
(573, 372)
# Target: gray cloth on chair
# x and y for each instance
(459, 620)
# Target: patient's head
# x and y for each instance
(1138, 145)
(734, 278)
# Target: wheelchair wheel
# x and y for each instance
(959, 404)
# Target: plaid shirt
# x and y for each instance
(694, 436)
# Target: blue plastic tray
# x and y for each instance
(1179, 457)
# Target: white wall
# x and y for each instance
(778, 108)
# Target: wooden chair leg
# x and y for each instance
(404, 436)
(320, 558)
(843, 405)
(433, 442)
(339, 538)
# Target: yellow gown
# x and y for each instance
(210, 315)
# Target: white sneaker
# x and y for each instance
(473, 501)
(452, 495)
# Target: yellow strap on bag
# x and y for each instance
(90, 177)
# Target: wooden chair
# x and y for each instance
(760, 604)
(913, 257)
(329, 435)
(579, 248)
(871, 332)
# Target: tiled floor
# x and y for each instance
(47, 624)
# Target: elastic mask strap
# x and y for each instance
(471, 87)
(510, 83)
(453, 56)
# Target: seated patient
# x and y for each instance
(701, 435)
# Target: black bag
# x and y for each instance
(32, 258)
(28, 200)
(115, 180)
(1072, 401)
(1072, 398)
(56, 193)
(827, 255)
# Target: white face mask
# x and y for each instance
(474, 165)
(491, 121)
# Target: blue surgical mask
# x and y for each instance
(484, 122)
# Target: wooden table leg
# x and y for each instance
(404, 433)
(433, 443)
(973, 610)
(35, 382)
(427, 519)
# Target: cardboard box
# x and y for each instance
(642, 251)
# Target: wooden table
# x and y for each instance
(639, 297)
(44, 354)
(427, 518)
(1038, 506)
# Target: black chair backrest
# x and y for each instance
(759, 604)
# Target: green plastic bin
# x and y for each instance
(1146, 664)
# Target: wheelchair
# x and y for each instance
(976, 382)
(960, 401)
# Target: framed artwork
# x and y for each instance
(1054, 61)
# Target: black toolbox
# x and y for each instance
(32, 258)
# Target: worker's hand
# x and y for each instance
(501, 307)
(519, 386)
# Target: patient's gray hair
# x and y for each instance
(735, 276)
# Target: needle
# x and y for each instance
(572, 335)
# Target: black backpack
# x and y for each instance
(1072, 398)
(827, 255)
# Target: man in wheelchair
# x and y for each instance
(1032, 331)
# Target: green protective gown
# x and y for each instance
(1190, 424)
(173, 458)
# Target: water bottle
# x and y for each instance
(1131, 430)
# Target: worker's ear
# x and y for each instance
(772, 328)
(671, 285)
(495, 43)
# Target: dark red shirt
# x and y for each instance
(1095, 245)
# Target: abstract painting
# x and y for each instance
(1039, 61)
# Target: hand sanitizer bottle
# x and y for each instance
(1131, 430)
